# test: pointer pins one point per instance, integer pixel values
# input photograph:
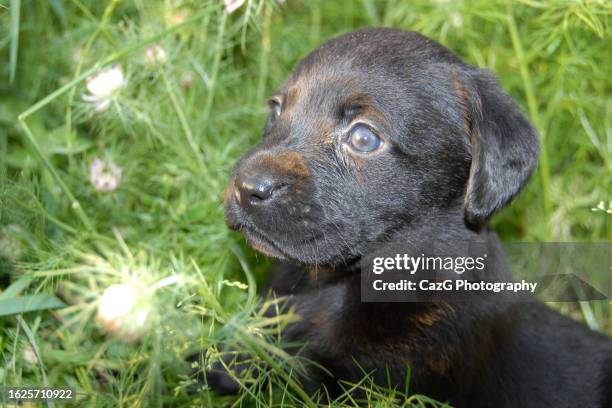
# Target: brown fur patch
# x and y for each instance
(229, 192)
(470, 130)
(320, 273)
(464, 101)
(292, 96)
(321, 317)
(437, 312)
(437, 359)
(289, 162)
(366, 108)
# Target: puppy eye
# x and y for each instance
(363, 140)
(275, 107)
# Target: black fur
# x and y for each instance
(456, 150)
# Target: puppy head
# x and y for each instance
(375, 131)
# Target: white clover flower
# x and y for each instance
(104, 176)
(232, 5)
(103, 86)
(155, 55)
(457, 19)
(29, 355)
(123, 311)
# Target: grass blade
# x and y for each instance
(15, 288)
(15, 9)
(32, 340)
(30, 303)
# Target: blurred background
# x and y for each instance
(120, 122)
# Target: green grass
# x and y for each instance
(176, 129)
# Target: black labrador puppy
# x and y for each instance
(382, 135)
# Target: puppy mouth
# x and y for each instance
(301, 247)
(258, 240)
(262, 243)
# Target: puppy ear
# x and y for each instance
(504, 146)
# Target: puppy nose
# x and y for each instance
(256, 189)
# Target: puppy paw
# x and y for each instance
(217, 378)
(221, 382)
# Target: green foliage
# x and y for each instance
(175, 128)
